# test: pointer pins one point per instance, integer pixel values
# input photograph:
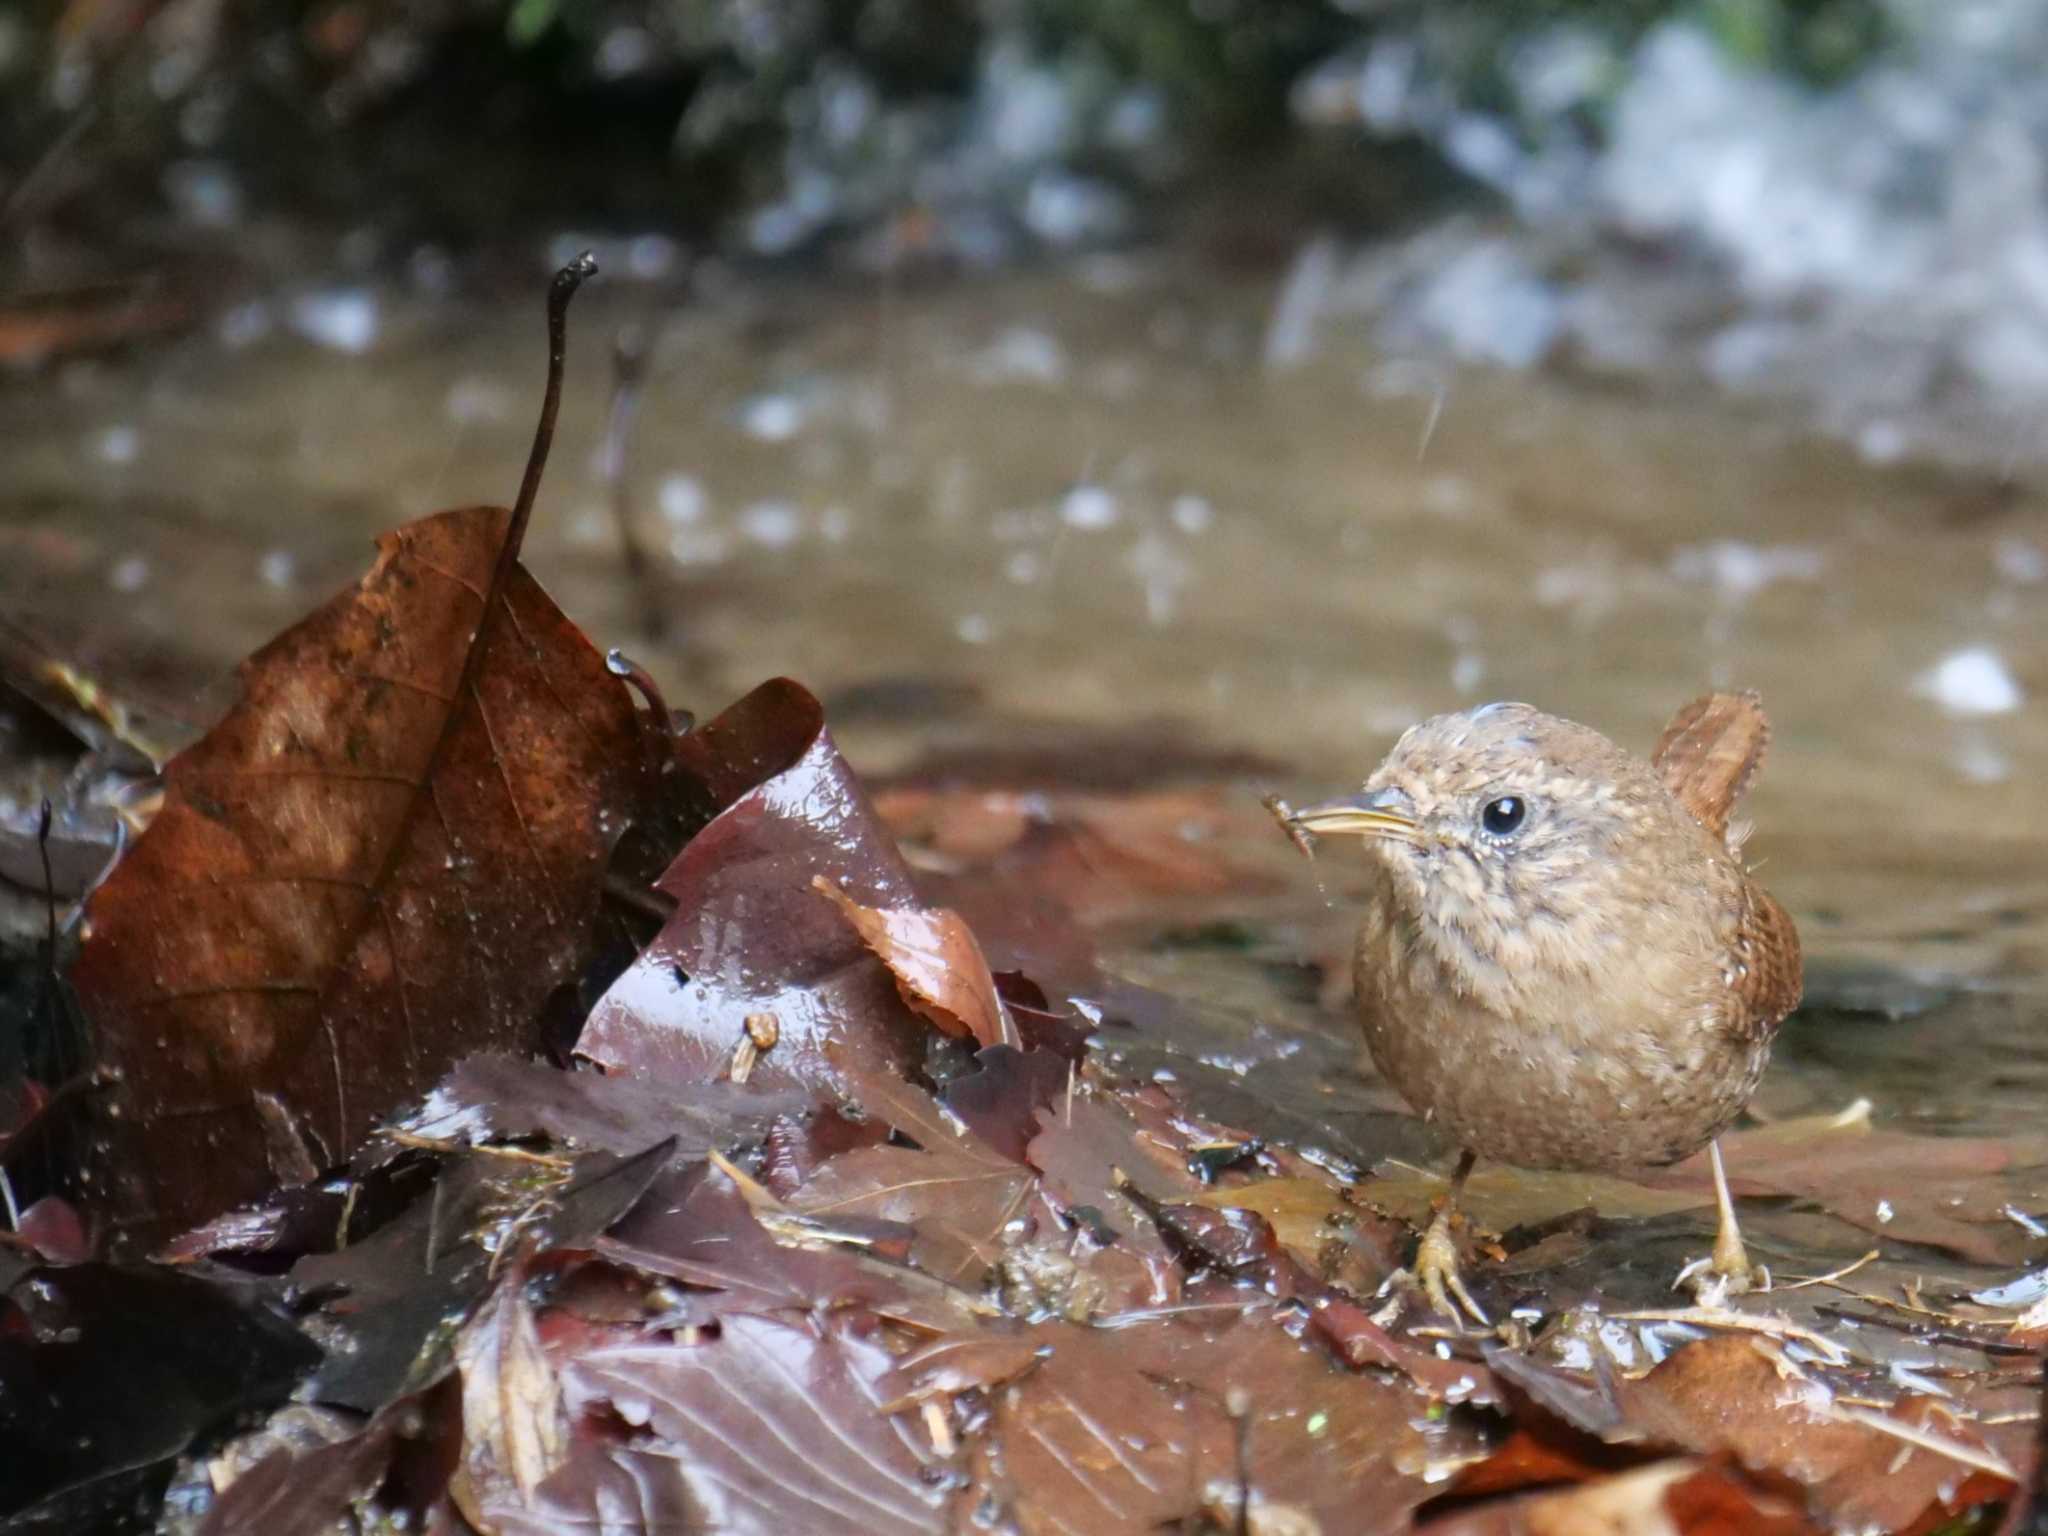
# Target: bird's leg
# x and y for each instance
(1728, 1271)
(1436, 1259)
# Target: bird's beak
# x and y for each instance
(1380, 813)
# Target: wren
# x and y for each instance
(1563, 960)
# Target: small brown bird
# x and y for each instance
(1563, 960)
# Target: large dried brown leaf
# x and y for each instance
(750, 935)
(358, 876)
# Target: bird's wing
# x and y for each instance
(1769, 975)
(1710, 752)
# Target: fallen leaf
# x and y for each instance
(1000, 1099)
(694, 1226)
(954, 1190)
(514, 1427)
(1951, 1199)
(1498, 1198)
(750, 934)
(1304, 1212)
(107, 1370)
(1136, 1428)
(937, 963)
(770, 1427)
(1677, 1497)
(1725, 1395)
(1089, 1147)
(496, 1097)
(303, 1493)
(393, 1300)
(382, 859)
(1098, 857)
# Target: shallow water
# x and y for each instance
(1056, 510)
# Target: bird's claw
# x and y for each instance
(1726, 1272)
(1436, 1270)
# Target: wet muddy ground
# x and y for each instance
(1071, 532)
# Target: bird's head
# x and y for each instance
(1515, 838)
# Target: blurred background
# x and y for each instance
(1109, 397)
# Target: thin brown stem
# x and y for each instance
(629, 374)
(560, 292)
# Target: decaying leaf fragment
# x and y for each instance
(937, 963)
(515, 1430)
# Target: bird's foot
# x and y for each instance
(1436, 1271)
(1711, 1285)
(1726, 1271)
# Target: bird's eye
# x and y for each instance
(1504, 815)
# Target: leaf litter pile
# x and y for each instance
(505, 1108)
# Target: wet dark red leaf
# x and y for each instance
(303, 1493)
(999, 1101)
(1087, 1145)
(391, 1301)
(750, 934)
(797, 1146)
(695, 1226)
(358, 876)
(493, 1097)
(52, 1227)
